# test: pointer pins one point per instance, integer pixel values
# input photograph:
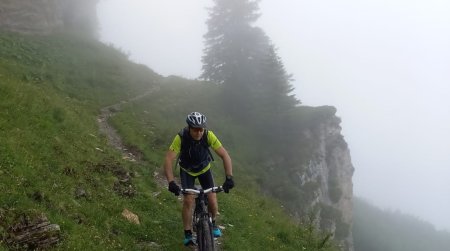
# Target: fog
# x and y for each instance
(385, 66)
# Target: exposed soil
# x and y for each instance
(129, 152)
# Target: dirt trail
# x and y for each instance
(115, 140)
(107, 112)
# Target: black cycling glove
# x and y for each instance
(174, 188)
(228, 184)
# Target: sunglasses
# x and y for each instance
(198, 129)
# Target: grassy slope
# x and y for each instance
(51, 90)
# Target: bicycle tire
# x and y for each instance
(194, 222)
(205, 239)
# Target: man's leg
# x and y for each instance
(207, 181)
(188, 206)
(187, 181)
(212, 205)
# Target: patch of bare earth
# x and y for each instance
(129, 152)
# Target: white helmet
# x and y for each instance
(196, 120)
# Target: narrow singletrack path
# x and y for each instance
(107, 112)
(115, 140)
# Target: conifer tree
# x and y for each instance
(241, 57)
(275, 83)
(228, 41)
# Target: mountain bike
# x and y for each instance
(201, 221)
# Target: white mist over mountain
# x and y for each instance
(385, 65)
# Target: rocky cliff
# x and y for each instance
(49, 16)
(331, 170)
(312, 174)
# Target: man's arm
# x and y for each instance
(226, 160)
(170, 156)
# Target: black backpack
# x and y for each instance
(194, 154)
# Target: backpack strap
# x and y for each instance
(180, 133)
(205, 143)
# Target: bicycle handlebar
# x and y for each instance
(198, 191)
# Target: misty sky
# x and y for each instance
(384, 64)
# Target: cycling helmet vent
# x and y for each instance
(196, 120)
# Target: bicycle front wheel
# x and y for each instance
(205, 239)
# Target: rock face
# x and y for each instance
(312, 174)
(33, 234)
(327, 176)
(48, 16)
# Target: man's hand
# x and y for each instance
(228, 184)
(174, 188)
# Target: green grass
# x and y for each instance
(51, 90)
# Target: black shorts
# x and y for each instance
(188, 181)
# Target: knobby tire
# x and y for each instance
(205, 239)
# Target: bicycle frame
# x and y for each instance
(201, 221)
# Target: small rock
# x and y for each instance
(130, 216)
(80, 193)
(150, 245)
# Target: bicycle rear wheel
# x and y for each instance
(205, 239)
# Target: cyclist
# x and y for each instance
(192, 144)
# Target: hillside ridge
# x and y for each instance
(54, 161)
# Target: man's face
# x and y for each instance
(196, 133)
